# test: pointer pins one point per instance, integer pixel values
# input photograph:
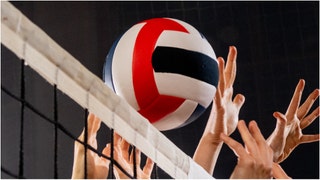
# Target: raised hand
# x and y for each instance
(225, 111)
(288, 132)
(255, 160)
(125, 159)
(97, 167)
(224, 114)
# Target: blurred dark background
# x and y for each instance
(277, 42)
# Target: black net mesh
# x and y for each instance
(277, 42)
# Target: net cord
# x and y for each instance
(59, 68)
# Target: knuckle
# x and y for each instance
(250, 163)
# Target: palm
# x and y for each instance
(288, 132)
(224, 115)
(232, 113)
(226, 110)
(97, 167)
(292, 140)
(122, 156)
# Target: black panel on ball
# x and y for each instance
(189, 63)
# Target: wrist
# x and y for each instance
(213, 139)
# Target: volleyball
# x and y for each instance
(165, 69)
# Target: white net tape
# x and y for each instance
(58, 67)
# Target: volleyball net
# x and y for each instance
(66, 74)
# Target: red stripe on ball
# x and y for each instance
(160, 107)
(153, 106)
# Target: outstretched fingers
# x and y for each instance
(305, 122)
(137, 153)
(295, 101)
(93, 127)
(237, 148)
(305, 107)
(117, 139)
(121, 146)
(310, 138)
(107, 152)
(264, 148)
(231, 67)
(93, 124)
(248, 139)
(147, 169)
(221, 84)
(256, 133)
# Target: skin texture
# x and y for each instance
(224, 117)
(288, 132)
(222, 122)
(278, 172)
(255, 160)
(98, 167)
(123, 157)
(224, 114)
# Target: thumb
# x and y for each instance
(239, 100)
(281, 121)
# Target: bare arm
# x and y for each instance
(223, 117)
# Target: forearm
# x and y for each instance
(207, 153)
(278, 172)
(78, 169)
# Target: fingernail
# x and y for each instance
(316, 93)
